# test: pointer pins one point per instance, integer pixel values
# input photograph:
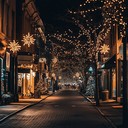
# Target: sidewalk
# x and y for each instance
(111, 110)
(15, 107)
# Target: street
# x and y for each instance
(65, 109)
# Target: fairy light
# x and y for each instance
(112, 14)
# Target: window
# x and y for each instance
(2, 18)
(13, 20)
(7, 25)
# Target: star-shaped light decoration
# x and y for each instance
(14, 46)
(28, 39)
(104, 49)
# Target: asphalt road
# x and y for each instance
(65, 109)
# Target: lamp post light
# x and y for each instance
(60, 77)
(77, 75)
(53, 75)
(53, 81)
(59, 80)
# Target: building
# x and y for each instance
(111, 77)
(20, 70)
(7, 33)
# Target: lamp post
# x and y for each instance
(125, 94)
(125, 70)
(77, 77)
(53, 81)
(16, 99)
(59, 81)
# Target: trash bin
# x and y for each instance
(105, 95)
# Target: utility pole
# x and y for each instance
(96, 76)
(16, 98)
(125, 100)
(97, 88)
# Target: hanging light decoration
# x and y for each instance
(14, 46)
(28, 39)
(104, 49)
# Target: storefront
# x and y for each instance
(26, 75)
(26, 82)
(108, 77)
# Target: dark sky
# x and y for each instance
(55, 16)
(54, 12)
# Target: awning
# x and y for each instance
(111, 63)
(21, 70)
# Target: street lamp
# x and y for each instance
(60, 77)
(53, 75)
(59, 80)
(52, 81)
(54, 60)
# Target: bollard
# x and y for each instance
(105, 95)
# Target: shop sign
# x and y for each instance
(25, 59)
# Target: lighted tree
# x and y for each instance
(90, 88)
(94, 20)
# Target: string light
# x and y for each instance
(112, 14)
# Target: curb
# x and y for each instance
(27, 106)
(110, 122)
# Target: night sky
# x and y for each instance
(58, 21)
(54, 13)
(55, 16)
